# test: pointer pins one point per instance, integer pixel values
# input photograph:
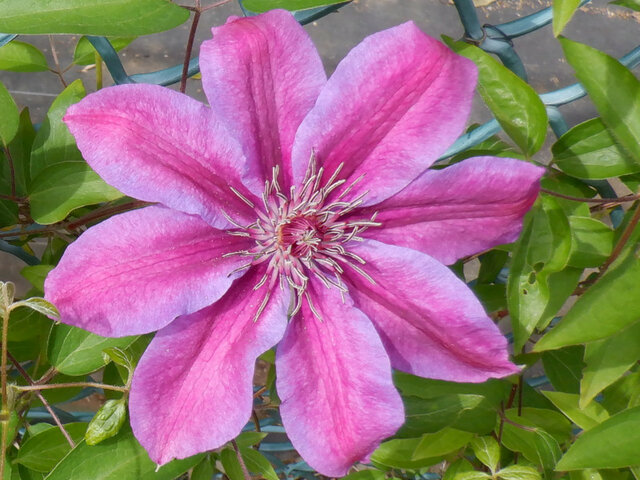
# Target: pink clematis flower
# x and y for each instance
(298, 211)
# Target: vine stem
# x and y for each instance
(245, 471)
(187, 54)
(3, 375)
(616, 200)
(54, 53)
(44, 401)
(51, 386)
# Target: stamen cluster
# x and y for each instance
(304, 234)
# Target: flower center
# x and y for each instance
(304, 234)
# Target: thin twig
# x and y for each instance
(12, 172)
(245, 471)
(44, 401)
(615, 253)
(58, 71)
(6, 415)
(51, 386)
(615, 200)
(256, 420)
(104, 211)
(214, 5)
(260, 392)
(187, 54)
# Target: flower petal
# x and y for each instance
(161, 146)
(392, 107)
(192, 390)
(429, 321)
(462, 210)
(262, 75)
(334, 380)
(135, 272)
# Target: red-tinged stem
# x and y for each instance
(616, 200)
(57, 71)
(245, 471)
(187, 54)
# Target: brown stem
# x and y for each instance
(214, 5)
(516, 424)
(46, 376)
(616, 200)
(615, 253)
(6, 415)
(256, 420)
(260, 391)
(58, 71)
(245, 471)
(12, 172)
(44, 401)
(187, 54)
(104, 211)
(51, 386)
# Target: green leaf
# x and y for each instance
(41, 452)
(117, 458)
(607, 360)
(592, 242)
(20, 149)
(36, 275)
(22, 57)
(120, 357)
(441, 443)
(203, 470)
(519, 472)
(607, 307)
(487, 451)
(431, 415)
(589, 151)
(622, 393)
(90, 17)
(256, 463)
(77, 352)
(612, 444)
(454, 470)
(619, 107)
(398, 454)
(107, 421)
(366, 475)
(552, 422)
(536, 445)
(543, 248)
(516, 105)
(39, 305)
(585, 417)
(632, 4)
(260, 6)
(563, 10)
(85, 54)
(9, 116)
(231, 465)
(564, 368)
(54, 143)
(249, 439)
(63, 187)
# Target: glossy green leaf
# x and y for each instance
(563, 10)
(618, 106)
(564, 368)
(18, 56)
(514, 103)
(54, 143)
(9, 116)
(589, 151)
(519, 472)
(536, 445)
(203, 470)
(632, 4)
(431, 415)
(543, 249)
(604, 309)
(76, 352)
(20, 149)
(612, 444)
(63, 187)
(84, 54)
(585, 417)
(90, 17)
(26, 324)
(551, 421)
(457, 468)
(39, 305)
(622, 393)
(231, 465)
(592, 242)
(249, 439)
(441, 443)
(258, 464)
(487, 451)
(41, 452)
(398, 454)
(117, 458)
(260, 6)
(107, 421)
(607, 360)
